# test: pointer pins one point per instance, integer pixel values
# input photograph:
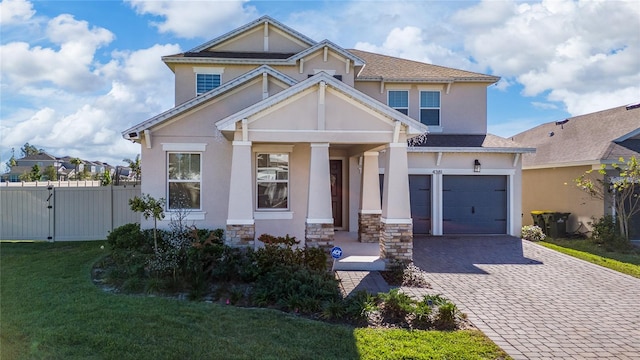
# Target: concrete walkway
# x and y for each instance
(531, 301)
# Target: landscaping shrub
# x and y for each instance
(359, 306)
(127, 237)
(606, 233)
(396, 305)
(533, 233)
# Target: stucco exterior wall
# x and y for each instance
(554, 189)
(470, 118)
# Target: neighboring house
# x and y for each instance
(273, 132)
(566, 150)
(25, 164)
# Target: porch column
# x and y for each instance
(240, 223)
(396, 226)
(370, 210)
(319, 224)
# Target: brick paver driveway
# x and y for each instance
(533, 302)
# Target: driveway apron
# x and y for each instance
(533, 302)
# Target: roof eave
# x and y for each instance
(421, 149)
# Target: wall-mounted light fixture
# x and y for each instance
(476, 166)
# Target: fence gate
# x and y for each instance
(59, 214)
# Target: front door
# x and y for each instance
(335, 168)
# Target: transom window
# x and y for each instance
(430, 107)
(206, 82)
(272, 178)
(184, 180)
(399, 100)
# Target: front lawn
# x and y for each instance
(624, 262)
(50, 309)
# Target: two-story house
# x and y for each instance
(273, 132)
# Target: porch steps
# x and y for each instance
(359, 263)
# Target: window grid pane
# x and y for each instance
(430, 99)
(184, 181)
(206, 82)
(430, 108)
(272, 177)
(399, 99)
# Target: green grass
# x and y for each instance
(626, 263)
(51, 310)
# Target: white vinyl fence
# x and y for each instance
(63, 214)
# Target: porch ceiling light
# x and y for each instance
(476, 166)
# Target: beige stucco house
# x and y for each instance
(273, 132)
(565, 150)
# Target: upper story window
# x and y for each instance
(207, 78)
(206, 82)
(399, 100)
(430, 108)
(184, 180)
(272, 177)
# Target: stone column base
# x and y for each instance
(240, 235)
(320, 236)
(369, 228)
(396, 242)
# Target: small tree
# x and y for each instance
(149, 206)
(135, 166)
(106, 178)
(623, 188)
(51, 173)
(76, 162)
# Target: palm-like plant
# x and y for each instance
(76, 162)
(134, 165)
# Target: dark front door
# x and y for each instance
(474, 204)
(420, 198)
(335, 169)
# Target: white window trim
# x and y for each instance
(408, 99)
(422, 107)
(208, 70)
(288, 182)
(197, 213)
(184, 147)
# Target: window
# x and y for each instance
(399, 100)
(184, 181)
(430, 107)
(272, 177)
(206, 82)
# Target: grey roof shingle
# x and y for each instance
(383, 67)
(471, 143)
(585, 139)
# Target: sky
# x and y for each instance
(75, 74)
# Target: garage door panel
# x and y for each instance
(474, 204)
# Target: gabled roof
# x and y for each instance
(43, 156)
(326, 43)
(188, 105)
(257, 22)
(414, 126)
(392, 69)
(470, 143)
(591, 139)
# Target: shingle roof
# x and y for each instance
(383, 67)
(466, 143)
(38, 157)
(585, 139)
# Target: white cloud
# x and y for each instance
(70, 66)
(585, 54)
(191, 19)
(15, 11)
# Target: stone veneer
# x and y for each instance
(369, 228)
(319, 235)
(240, 235)
(396, 242)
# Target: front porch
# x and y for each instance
(357, 256)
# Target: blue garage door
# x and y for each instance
(474, 204)
(420, 197)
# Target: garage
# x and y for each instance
(420, 197)
(474, 204)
